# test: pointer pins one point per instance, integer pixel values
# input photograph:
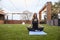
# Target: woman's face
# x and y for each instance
(35, 15)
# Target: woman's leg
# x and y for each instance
(30, 29)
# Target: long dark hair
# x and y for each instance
(34, 16)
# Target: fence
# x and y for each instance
(54, 22)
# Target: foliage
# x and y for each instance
(43, 22)
(55, 10)
(56, 7)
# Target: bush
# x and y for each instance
(42, 22)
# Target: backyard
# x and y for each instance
(20, 32)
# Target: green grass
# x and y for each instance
(20, 32)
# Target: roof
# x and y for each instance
(1, 12)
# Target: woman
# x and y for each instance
(35, 22)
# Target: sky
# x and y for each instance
(22, 5)
(18, 6)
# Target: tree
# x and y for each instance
(55, 9)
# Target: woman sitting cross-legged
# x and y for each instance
(34, 23)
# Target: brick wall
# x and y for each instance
(49, 5)
(17, 21)
(1, 21)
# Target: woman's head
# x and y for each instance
(35, 15)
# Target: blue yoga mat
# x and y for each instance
(37, 33)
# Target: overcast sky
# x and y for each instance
(22, 5)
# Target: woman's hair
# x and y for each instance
(35, 15)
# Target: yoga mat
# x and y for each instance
(37, 33)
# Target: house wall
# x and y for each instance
(17, 21)
(1, 21)
(48, 10)
(1, 17)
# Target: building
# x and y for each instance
(1, 17)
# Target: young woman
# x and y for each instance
(35, 22)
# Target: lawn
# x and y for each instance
(20, 32)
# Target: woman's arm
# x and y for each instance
(38, 21)
(31, 20)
